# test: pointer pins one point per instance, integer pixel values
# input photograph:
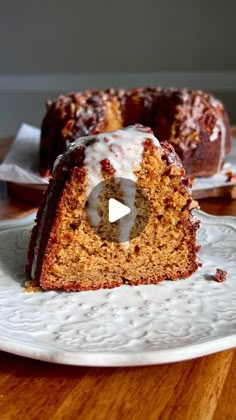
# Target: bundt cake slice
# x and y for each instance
(66, 253)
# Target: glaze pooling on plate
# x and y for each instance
(124, 326)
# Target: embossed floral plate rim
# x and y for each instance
(125, 355)
(111, 359)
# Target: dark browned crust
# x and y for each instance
(69, 117)
(204, 160)
(164, 110)
(49, 205)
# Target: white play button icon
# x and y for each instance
(117, 200)
(116, 210)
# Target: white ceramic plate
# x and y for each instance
(124, 326)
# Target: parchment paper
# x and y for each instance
(21, 163)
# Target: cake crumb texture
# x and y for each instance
(70, 256)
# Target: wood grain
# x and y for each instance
(226, 404)
(200, 389)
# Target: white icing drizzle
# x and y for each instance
(192, 111)
(215, 133)
(124, 149)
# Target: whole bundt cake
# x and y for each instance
(194, 122)
(67, 253)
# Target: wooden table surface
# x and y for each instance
(200, 389)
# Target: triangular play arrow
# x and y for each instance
(116, 210)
